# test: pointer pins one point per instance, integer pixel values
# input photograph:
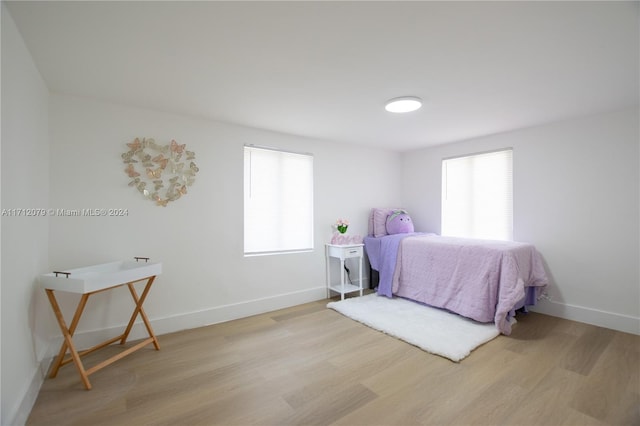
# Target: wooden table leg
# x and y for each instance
(68, 337)
(140, 310)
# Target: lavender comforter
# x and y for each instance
(480, 279)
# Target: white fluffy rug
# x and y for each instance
(433, 330)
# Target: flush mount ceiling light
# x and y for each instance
(403, 104)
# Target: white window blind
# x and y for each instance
(477, 196)
(278, 201)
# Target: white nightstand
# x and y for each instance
(343, 252)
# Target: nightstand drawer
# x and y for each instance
(352, 252)
(345, 252)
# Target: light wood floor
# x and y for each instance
(308, 365)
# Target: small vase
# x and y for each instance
(342, 228)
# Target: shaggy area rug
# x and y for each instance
(433, 330)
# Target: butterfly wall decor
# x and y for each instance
(161, 167)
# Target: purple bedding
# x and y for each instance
(480, 279)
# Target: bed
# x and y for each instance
(484, 280)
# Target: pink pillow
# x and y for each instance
(380, 221)
(370, 232)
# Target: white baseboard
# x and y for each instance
(615, 321)
(234, 311)
(185, 321)
(21, 411)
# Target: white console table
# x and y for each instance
(88, 281)
(343, 252)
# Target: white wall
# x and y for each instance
(576, 197)
(199, 238)
(25, 184)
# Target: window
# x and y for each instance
(477, 196)
(278, 201)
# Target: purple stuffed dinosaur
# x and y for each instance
(399, 222)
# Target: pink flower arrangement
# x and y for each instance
(342, 225)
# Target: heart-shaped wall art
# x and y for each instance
(161, 173)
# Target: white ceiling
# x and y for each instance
(325, 69)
